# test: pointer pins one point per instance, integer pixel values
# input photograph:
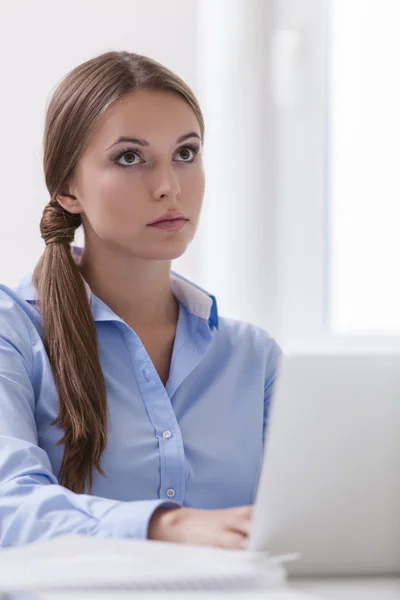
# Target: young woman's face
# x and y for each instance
(122, 186)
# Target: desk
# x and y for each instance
(324, 589)
(373, 588)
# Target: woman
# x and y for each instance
(128, 406)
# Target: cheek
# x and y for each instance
(193, 186)
(200, 185)
(114, 199)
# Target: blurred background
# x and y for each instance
(299, 230)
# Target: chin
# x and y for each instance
(168, 252)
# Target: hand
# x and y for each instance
(225, 528)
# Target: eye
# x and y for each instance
(189, 149)
(129, 155)
(187, 154)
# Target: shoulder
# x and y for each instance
(249, 340)
(231, 336)
(16, 317)
(237, 331)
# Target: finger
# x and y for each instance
(241, 527)
(233, 540)
(245, 511)
(241, 521)
(239, 512)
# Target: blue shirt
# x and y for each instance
(197, 442)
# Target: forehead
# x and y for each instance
(148, 114)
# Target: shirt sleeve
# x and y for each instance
(33, 505)
(274, 354)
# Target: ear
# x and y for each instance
(69, 202)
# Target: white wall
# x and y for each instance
(238, 259)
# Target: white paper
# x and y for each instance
(84, 562)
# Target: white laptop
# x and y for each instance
(330, 482)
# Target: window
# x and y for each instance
(364, 162)
(336, 116)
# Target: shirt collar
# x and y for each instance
(196, 299)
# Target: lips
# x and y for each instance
(168, 217)
(170, 225)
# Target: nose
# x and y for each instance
(166, 183)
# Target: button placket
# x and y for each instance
(161, 415)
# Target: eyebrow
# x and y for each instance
(182, 138)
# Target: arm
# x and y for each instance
(33, 505)
(274, 354)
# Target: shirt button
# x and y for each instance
(167, 435)
(170, 493)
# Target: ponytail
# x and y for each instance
(70, 339)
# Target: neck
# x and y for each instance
(137, 290)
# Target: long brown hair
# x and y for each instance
(70, 336)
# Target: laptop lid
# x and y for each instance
(329, 486)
